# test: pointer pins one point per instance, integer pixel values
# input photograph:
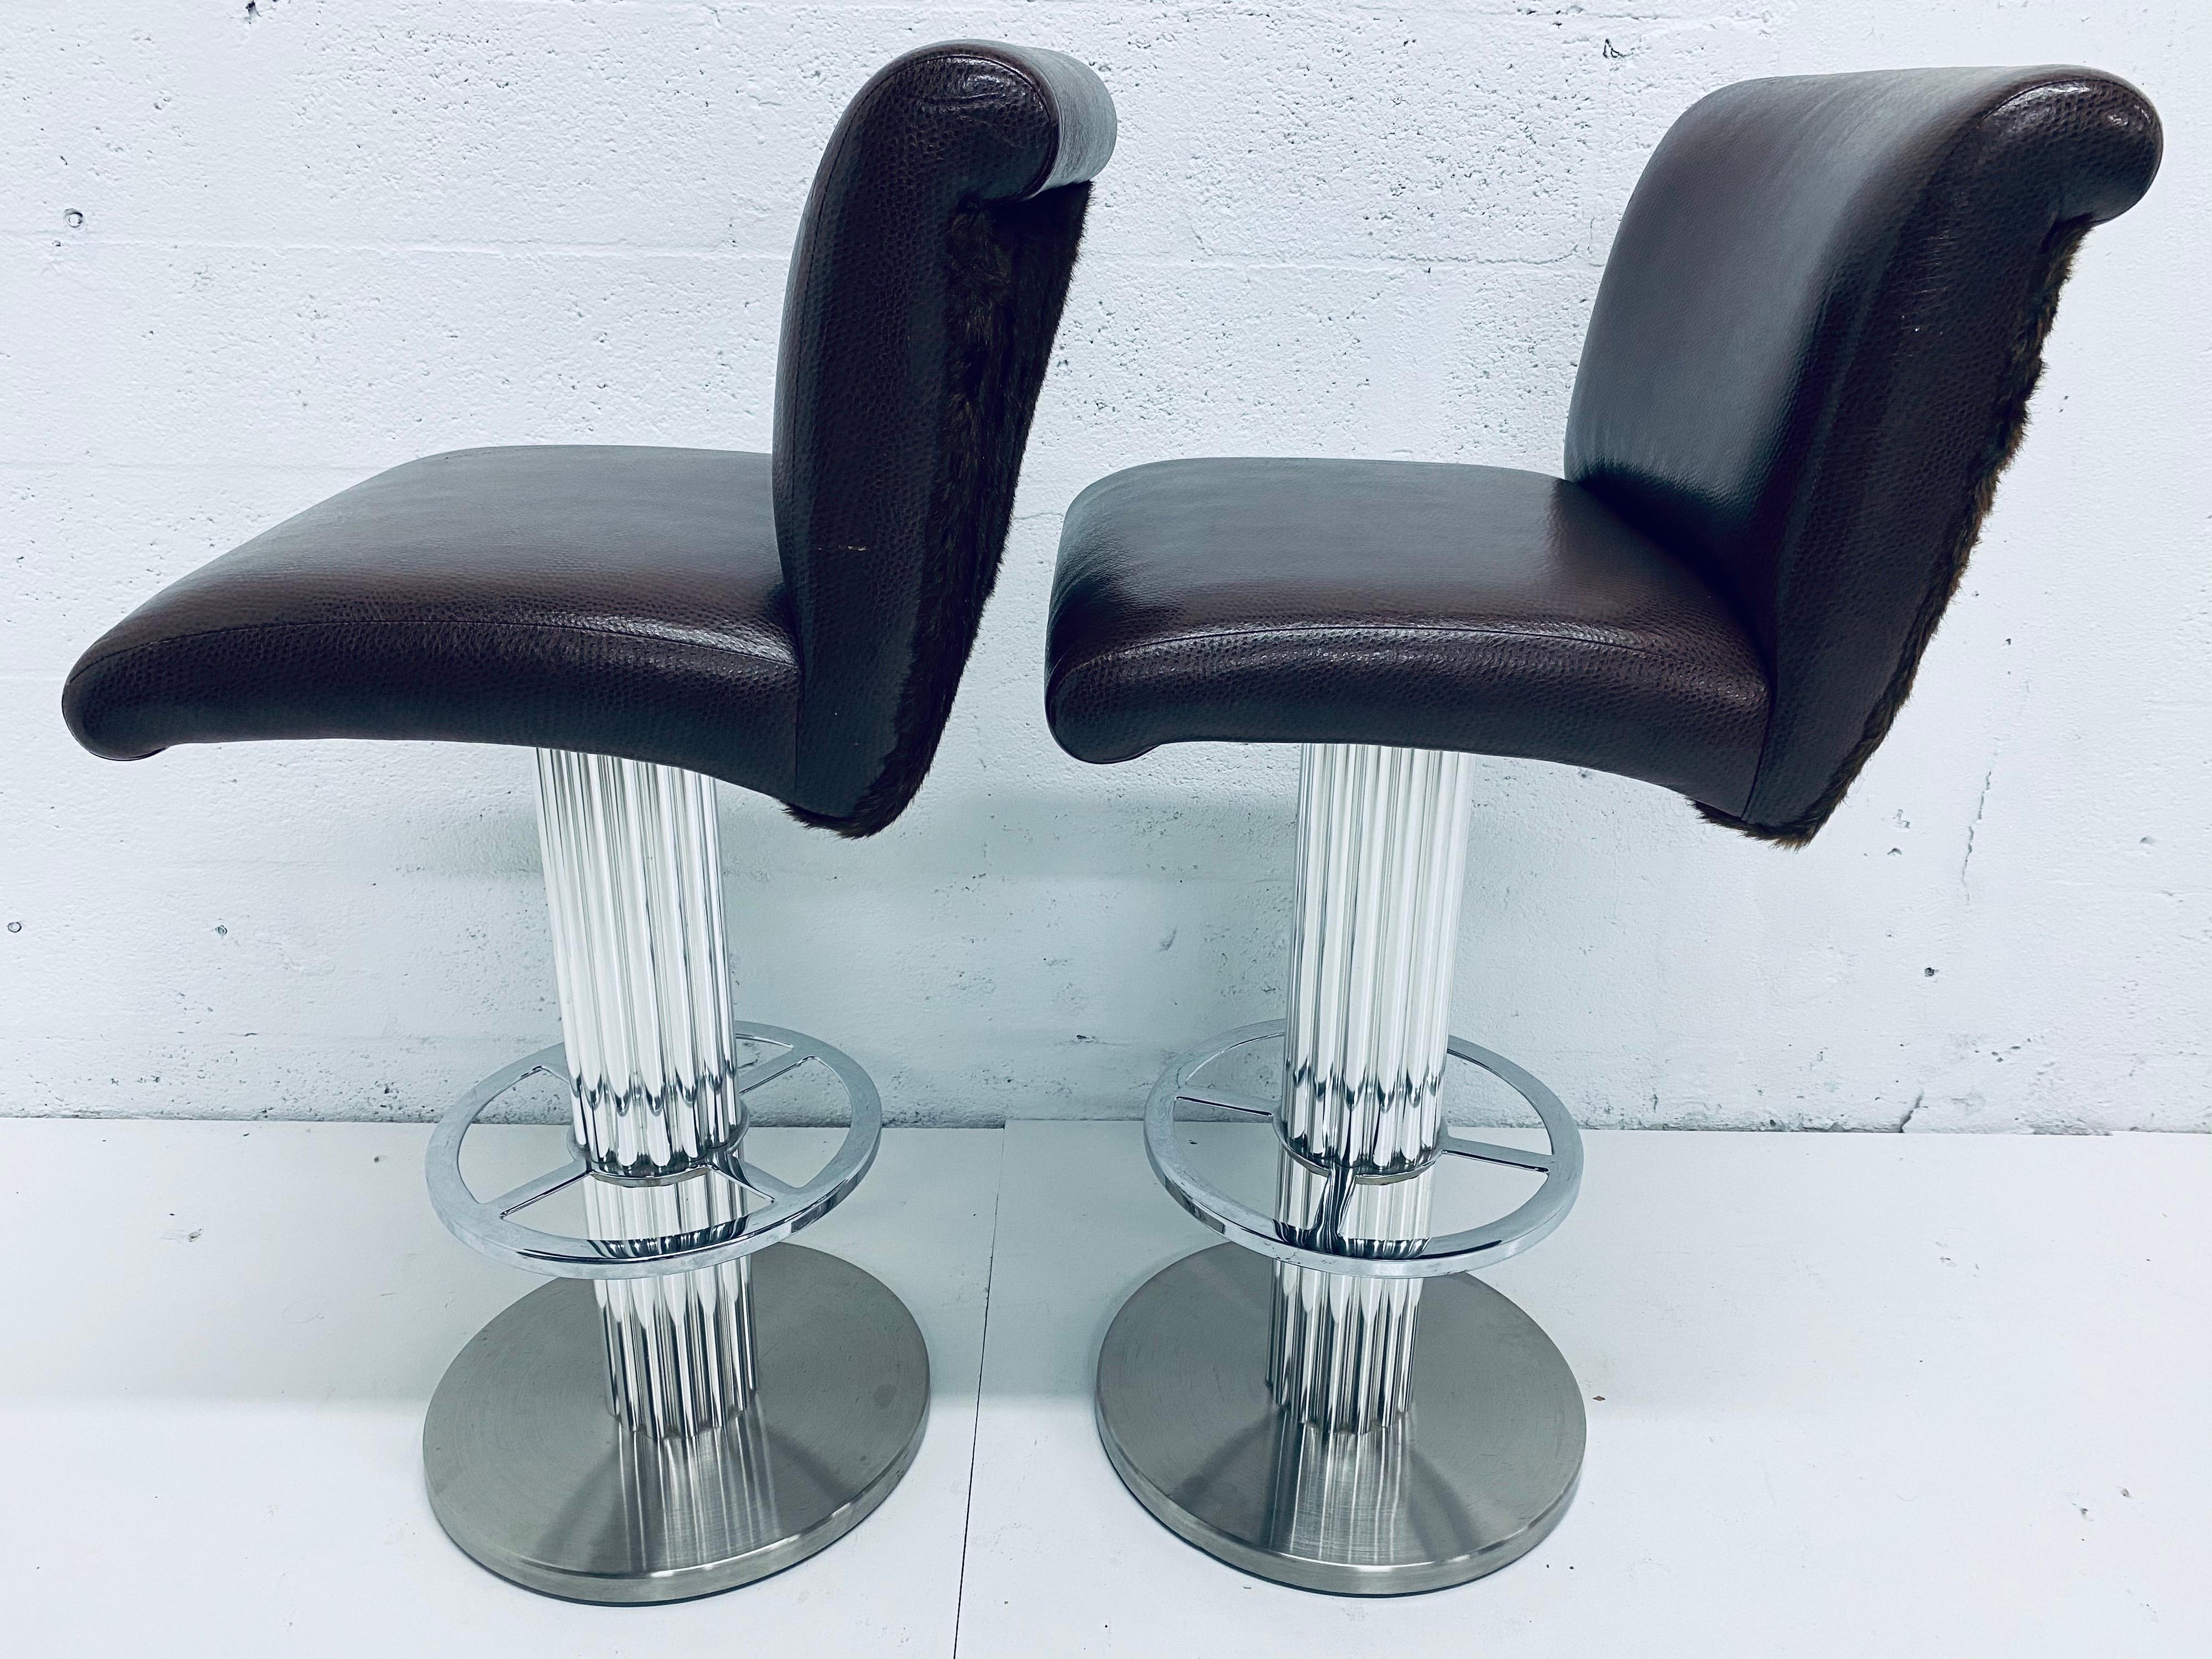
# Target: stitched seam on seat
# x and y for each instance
(1061, 674)
(91, 662)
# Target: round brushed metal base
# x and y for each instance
(532, 1474)
(1476, 1475)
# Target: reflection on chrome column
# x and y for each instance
(1338, 1494)
(693, 1497)
(633, 875)
(1382, 859)
(679, 1346)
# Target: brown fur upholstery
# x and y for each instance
(2007, 423)
(1009, 265)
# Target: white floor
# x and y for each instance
(1849, 1394)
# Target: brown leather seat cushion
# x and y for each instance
(656, 604)
(1443, 607)
(627, 601)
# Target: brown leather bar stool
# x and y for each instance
(691, 1404)
(1810, 358)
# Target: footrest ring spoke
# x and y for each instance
(487, 1225)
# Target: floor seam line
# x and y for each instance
(983, 1361)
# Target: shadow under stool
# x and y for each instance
(693, 1403)
(1810, 357)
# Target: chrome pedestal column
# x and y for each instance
(1332, 1418)
(698, 1417)
(633, 877)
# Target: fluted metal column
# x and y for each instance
(1349, 1463)
(1382, 862)
(633, 873)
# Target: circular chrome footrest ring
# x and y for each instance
(1447, 1253)
(485, 1224)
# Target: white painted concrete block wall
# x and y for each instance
(249, 254)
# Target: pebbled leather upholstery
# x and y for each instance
(622, 601)
(1395, 602)
(797, 628)
(1809, 360)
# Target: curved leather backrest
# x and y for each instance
(1811, 356)
(928, 283)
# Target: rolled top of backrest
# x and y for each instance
(1811, 355)
(927, 283)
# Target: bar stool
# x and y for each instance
(691, 1403)
(1810, 357)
